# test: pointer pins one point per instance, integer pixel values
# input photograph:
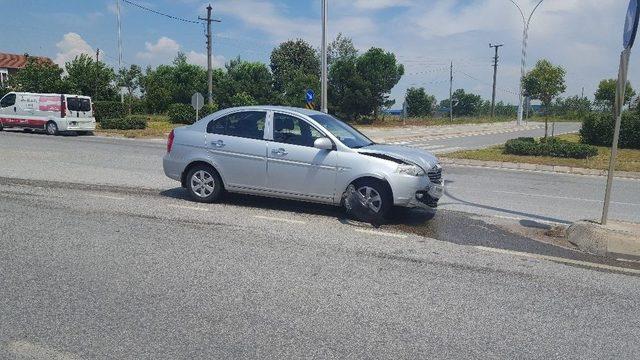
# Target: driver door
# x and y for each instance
(294, 167)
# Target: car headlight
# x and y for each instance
(408, 169)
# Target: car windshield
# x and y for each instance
(344, 132)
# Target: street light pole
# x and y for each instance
(523, 63)
(324, 75)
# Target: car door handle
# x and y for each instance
(218, 143)
(279, 151)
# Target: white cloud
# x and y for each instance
(165, 49)
(70, 46)
(380, 4)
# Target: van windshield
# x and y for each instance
(78, 104)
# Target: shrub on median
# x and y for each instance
(135, 122)
(597, 129)
(108, 110)
(181, 114)
(549, 147)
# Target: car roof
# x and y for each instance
(279, 108)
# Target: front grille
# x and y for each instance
(435, 174)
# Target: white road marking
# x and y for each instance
(449, 149)
(561, 197)
(188, 207)
(106, 197)
(381, 233)
(558, 259)
(21, 348)
(290, 221)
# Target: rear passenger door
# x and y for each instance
(295, 167)
(236, 145)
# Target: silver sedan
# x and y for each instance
(299, 154)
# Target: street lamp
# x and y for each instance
(525, 36)
(324, 74)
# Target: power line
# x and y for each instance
(161, 13)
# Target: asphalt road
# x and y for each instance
(533, 196)
(99, 272)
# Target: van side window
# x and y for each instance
(8, 100)
(245, 124)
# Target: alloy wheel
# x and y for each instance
(202, 183)
(371, 198)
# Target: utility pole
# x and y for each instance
(495, 74)
(95, 84)
(119, 46)
(325, 10)
(451, 92)
(209, 20)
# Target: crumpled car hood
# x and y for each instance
(422, 158)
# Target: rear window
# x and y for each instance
(78, 104)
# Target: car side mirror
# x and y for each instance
(323, 144)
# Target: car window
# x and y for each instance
(246, 124)
(8, 100)
(292, 130)
(78, 104)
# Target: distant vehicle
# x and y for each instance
(53, 113)
(299, 154)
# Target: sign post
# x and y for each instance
(630, 30)
(197, 102)
(308, 97)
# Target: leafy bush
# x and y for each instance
(181, 114)
(597, 129)
(207, 110)
(125, 123)
(108, 110)
(549, 147)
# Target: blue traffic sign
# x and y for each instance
(631, 24)
(310, 95)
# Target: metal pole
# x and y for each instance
(119, 45)
(451, 92)
(95, 84)
(324, 75)
(622, 82)
(209, 71)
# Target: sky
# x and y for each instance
(583, 36)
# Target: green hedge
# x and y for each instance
(108, 110)
(135, 122)
(597, 129)
(181, 114)
(549, 147)
(207, 110)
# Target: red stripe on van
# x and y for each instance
(22, 122)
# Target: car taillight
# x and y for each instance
(170, 141)
(63, 107)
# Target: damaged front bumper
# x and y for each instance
(428, 198)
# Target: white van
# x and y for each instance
(50, 112)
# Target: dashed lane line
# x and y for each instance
(188, 207)
(105, 197)
(560, 260)
(290, 221)
(381, 233)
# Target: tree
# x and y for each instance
(39, 76)
(349, 93)
(606, 93)
(464, 104)
(86, 77)
(544, 82)
(419, 103)
(574, 107)
(130, 79)
(340, 48)
(294, 62)
(381, 72)
(251, 78)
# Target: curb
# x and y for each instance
(537, 167)
(617, 238)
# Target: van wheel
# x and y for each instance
(204, 184)
(52, 128)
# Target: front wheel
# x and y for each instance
(204, 184)
(52, 128)
(369, 200)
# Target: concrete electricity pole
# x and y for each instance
(495, 74)
(451, 92)
(95, 84)
(523, 64)
(324, 75)
(209, 20)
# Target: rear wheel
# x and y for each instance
(51, 128)
(204, 184)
